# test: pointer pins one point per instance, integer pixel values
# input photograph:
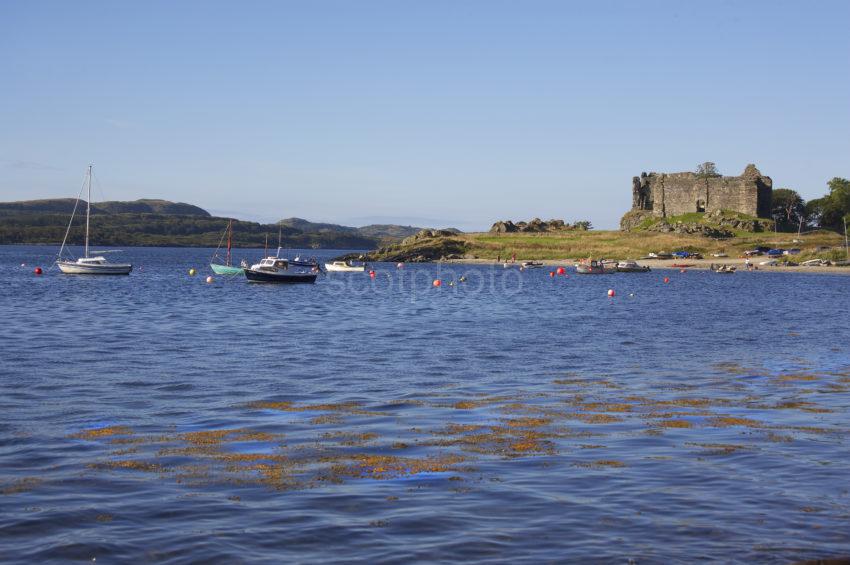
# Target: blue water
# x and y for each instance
(515, 417)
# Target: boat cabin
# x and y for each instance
(272, 264)
(92, 260)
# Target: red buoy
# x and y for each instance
(551, 273)
(611, 292)
(37, 270)
(438, 282)
(372, 274)
(562, 271)
(666, 279)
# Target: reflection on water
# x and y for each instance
(514, 417)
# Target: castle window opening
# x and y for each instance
(700, 205)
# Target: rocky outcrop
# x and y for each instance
(633, 219)
(717, 225)
(692, 229)
(534, 226)
(736, 222)
(426, 246)
(427, 234)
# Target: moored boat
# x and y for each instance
(88, 265)
(93, 266)
(532, 265)
(299, 261)
(631, 267)
(344, 267)
(595, 268)
(226, 268)
(278, 270)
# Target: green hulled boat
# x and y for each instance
(226, 268)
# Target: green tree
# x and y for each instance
(583, 225)
(707, 169)
(789, 209)
(829, 211)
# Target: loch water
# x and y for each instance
(515, 417)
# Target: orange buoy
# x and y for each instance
(209, 279)
(666, 279)
(682, 271)
(438, 282)
(551, 273)
(611, 292)
(37, 270)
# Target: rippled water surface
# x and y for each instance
(514, 417)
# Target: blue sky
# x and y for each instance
(432, 112)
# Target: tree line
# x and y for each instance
(792, 213)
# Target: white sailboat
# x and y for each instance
(88, 265)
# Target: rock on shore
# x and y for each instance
(423, 247)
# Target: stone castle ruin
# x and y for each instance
(662, 195)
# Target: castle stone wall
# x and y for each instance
(673, 194)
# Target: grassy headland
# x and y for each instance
(609, 244)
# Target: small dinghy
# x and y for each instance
(532, 265)
(344, 267)
(631, 267)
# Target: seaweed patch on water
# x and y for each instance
(718, 448)
(25, 484)
(384, 467)
(107, 431)
(339, 407)
(445, 435)
(601, 464)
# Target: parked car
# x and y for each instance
(775, 252)
(793, 251)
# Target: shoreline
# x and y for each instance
(667, 265)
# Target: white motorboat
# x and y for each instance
(532, 265)
(631, 267)
(593, 267)
(344, 267)
(88, 265)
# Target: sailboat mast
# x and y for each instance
(279, 231)
(229, 239)
(88, 213)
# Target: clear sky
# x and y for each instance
(440, 113)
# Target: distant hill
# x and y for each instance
(380, 231)
(164, 223)
(314, 227)
(66, 205)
